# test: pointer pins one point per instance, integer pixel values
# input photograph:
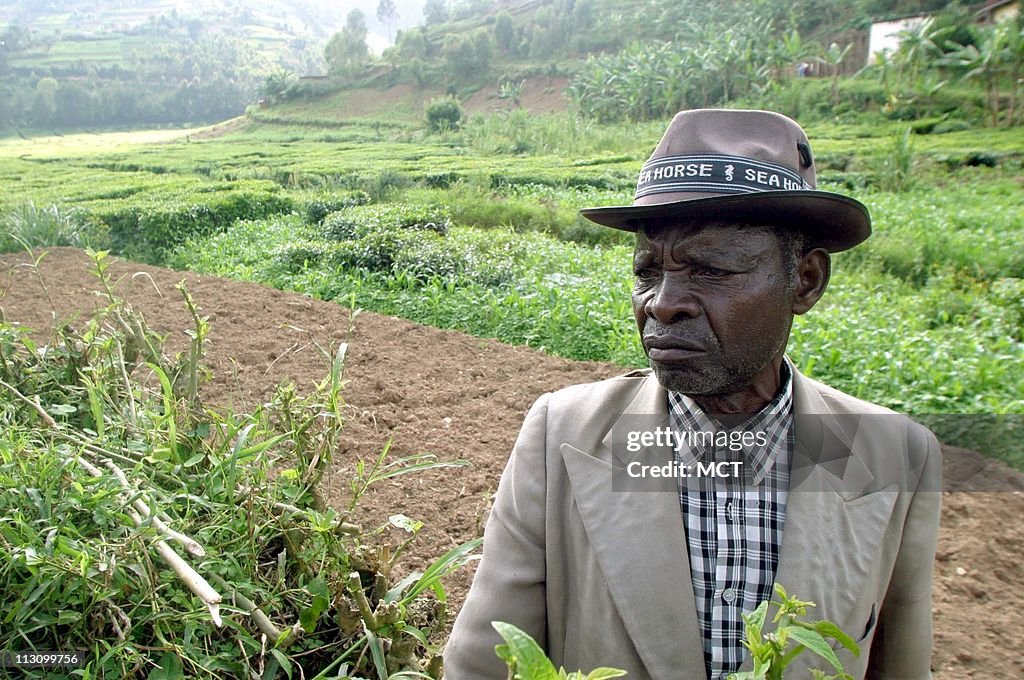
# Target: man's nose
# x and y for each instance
(671, 301)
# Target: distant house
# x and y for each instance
(995, 11)
(884, 35)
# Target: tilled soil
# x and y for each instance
(462, 397)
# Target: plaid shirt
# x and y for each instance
(734, 525)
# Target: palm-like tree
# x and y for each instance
(919, 46)
(1013, 43)
(833, 59)
(986, 60)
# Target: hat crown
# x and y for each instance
(771, 141)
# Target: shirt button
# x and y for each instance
(729, 595)
(729, 512)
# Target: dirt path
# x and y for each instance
(462, 397)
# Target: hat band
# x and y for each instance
(715, 173)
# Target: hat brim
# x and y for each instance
(833, 221)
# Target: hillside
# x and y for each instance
(87, 63)
(84, 63)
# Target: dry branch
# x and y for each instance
(189, 576)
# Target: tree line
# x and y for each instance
(686, 53)
(172, 70)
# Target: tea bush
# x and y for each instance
(361, 221)
(320, 207)
(149, 232)
(405, 240)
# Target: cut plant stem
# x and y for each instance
(258, 616)
(189, 576)
(46, 417)
(355, 588)
(190, 544)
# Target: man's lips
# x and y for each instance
(668, 349)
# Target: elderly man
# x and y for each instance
(639, 517)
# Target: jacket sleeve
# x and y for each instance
(902, 646)
(509, 582)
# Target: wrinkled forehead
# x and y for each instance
(715, 237)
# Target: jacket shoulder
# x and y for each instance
(618, 388)
(841, 402)
(882, 427)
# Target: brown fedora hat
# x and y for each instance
(750, 167)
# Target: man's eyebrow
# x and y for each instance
(719, 254)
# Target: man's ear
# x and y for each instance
(812, 274)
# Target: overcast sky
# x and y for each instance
(410, 13)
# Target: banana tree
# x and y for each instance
(833, 59)
(985, 60)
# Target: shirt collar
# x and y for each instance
(771, 427)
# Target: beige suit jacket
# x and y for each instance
(602, 578)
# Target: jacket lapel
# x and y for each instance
(832, 528)
(640, 543)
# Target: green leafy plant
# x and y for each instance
(167, 538)
(527, 661)
(773, 652)
(895, 172)
(444, 114)
(32, 226)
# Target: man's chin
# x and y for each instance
(691, 381)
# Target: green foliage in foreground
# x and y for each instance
(771, 652)
(527, 661)
(167, 539)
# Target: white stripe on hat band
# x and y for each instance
(725, 158)
(715, 173)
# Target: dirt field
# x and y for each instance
(462, 397)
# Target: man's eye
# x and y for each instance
(646, 274)
(712, 273)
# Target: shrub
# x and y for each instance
(297, 255)
(318, 208)
(151, 232)
(362, 220)
(428, 256)
(444, 114)
(409, 242)
(954, 125)
(374, 251)
(343, 226)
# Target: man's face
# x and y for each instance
(714, 307)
